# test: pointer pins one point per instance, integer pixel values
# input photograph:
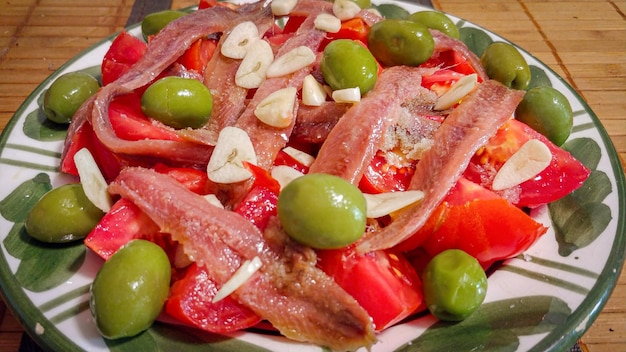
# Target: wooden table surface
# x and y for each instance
(584, 41)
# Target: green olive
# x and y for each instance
(436, 20)
(363, 3)
(548, 112)
(154, 22)
(178, 102)
(347, 64)
(130, 289)
(66, 94)
(504, 63)
(400, 42)
(322, 211)
(455, 285)
(63, 214)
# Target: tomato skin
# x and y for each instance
(354, 28)
(198, 55)
(194, 180)
(84, 137)
(260, 204)
(124, 52)
(451, 60)
(477, 221)
(130, 123)
(285, 159)
(383, 282)
(190, 303)
(564, 174)
(123, 223)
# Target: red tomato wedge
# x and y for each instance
(383, 282)
(123, 223)
(123, 53)
(260, 204)
(85, 137)
(354, 28)
(190, 303)
(564, 174)
(130, 123)
(198, 55)
(476, 220)
(380, 176)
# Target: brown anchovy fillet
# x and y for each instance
(299, 299)
(467, 128)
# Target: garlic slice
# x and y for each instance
(385, 203)
(282, 7)
(531, 158)
(291, 62)
(313, 93)
(213, 200)
(302, 157)
(284, 174)
(276, 109)
(233, 147)
(347, 95)
(458, 91)
(245, 271)
(239, 40)
(327, 22)
(345, 9)
(93, 182)
(253, 68)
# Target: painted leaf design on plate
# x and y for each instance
(580, 217)
(495, 326)
(164, 337)
(42, 266)
(476, 39)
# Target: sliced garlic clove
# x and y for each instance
(327, 22)
(233, 147)
(345, 9)
(313, 93)
(457, 92)
(276, 109)
(531, 158)
(300, 156)
(385, 203)
(291, 62)
(93, 182)
(347, 95)
(245, 271)
(239, 40)
(282, 7)
(285, 174)
(252, 70)
(212, 199)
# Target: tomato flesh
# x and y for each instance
(125, 51)
(383, 282)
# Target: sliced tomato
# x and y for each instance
(561, 177)
(450, 60)
(123, 223)
(85, 137)
(476, 220)
(130, 123)
(190, 303)
(198, 55)
(354, 28)
(124, 52)
(287, 160)
(383, 282)
(196, 181)
(380, 176)
(260, 204)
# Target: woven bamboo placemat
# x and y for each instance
(582, 40)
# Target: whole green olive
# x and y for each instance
(63, 214)
(322, 211)
(436, 20)
(130, 289)
(178, 102)
(154, 22)
(363, 3)
(400, 42)
(504, 63)
(548, 112)
(455, 285)
(66, 94)
(347, 64)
